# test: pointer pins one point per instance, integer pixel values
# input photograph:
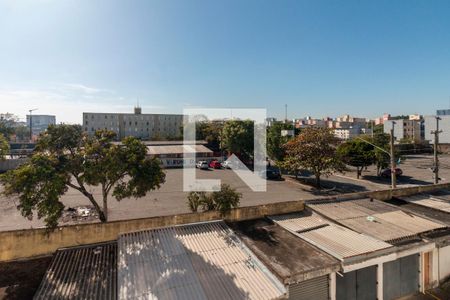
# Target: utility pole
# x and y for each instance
(393, 166)
(31, 123)
(436, 143)
(285, 114)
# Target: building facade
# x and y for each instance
(444, 127)
(39, 123)
(142, 126)
(405, 129)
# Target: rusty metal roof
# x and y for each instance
(301, 221)
(195, 261)
(87, 272)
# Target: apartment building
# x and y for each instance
(444, 126)
(143, 126)
(40, 123)
(405, 129)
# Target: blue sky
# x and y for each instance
(322, 58)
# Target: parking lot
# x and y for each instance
(170, 198)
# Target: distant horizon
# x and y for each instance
(321, 58)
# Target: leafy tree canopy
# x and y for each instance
(223, 200)
(237, 138)
(314, 149)
(357, 153)
(275, 141)
(4, 147)
(66, 157)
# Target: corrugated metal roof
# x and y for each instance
(88, 272)
(378, 228)
(409, 222)
(177, 149)
(342, 242)
(334, 239)
(350, 209)
(196, 261)
(376, 218)
(301, 221)
(429, 201)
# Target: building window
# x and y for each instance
(86, 122)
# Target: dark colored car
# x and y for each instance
(387, 172)
(271, 173)
(215, 164)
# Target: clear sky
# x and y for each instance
(322, 58)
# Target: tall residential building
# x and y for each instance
(444, 126)
(137, 124)
(405, 129)
(39, 123)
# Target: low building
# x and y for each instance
(143, 126)
(40, 123)
(174, 154)
(193, 261)
(307, 272)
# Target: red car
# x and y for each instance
(215, 164)
(387, 172)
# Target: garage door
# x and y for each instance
(312, 289)
(401, 277)
(357, 285)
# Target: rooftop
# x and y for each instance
(289, 257)
(195, 261)
(377, 219)
(87, 272)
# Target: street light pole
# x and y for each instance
(393, 166)
(31, 123)
(436, 143)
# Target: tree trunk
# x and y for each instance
(105, 207)
(358, 172)
(318, 181)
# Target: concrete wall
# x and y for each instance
(444, 263)
(27, 243)
(18, 244)
(9, 164)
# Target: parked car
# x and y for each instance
(226, 164)
(202, 165)
(271, 173)
(215, 164)
(387, 172)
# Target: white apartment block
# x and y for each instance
(143, 126)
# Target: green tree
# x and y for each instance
(275, 141)
(314, 149)
(357, 153)
(7, 124)
(237, 138)
(223, 200)
(66, 157)
(4, 147)
(381, 158)
(209, 131)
